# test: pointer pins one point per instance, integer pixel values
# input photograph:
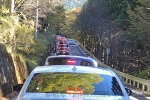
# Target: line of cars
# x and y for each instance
(62, 46)
(68, 77)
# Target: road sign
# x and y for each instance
(107, 50)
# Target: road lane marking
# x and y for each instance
(147, 98)
(132, 98)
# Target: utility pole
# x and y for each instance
(12, 6)
(12, 28)
(36, 23)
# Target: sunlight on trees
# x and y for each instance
(60, 82)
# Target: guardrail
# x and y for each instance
(137, 82)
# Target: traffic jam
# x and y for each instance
(70, 77)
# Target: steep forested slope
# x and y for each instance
(120, 25)
(21, 48)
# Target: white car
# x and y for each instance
(70, 82)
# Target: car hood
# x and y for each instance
(54, 96)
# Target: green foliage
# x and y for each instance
(134, 16)
(118, 9)
(22, 28)
(24, 36)
(69, 28)
(57, 18)
(139, 45)
(24, 39)
(145, 74)
(90, 17)
(39, 47)
(140, 22)
(123, 19)
(59, 83)
(7, 25)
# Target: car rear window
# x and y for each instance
(71, 40)
(74, 83)
(70, 61)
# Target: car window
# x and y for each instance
(74, 83)
(70, 61)
(71, 40)
(86, 63)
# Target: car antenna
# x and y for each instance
(74, 68)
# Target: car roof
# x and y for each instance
(70, 56)
(73, 68)
(70, 39)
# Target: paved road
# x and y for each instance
(136, 94)
(75, 50)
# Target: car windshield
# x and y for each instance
(70, 61)
(74, 83)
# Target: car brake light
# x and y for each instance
(70, 62)
(74, 92)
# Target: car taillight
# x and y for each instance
(71, 62)
(74, 92)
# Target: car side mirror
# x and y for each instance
(129, 91)
(17, 87)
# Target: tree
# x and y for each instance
(118, 9)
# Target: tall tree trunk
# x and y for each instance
(12, 28)
(12, 6)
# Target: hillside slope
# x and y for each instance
(95, 19)
(12, 71)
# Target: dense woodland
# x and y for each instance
(121, 25)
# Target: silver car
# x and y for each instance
(70, 82)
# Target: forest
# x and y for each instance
(121, 25)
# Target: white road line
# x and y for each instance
(147, 98)
(132, 98)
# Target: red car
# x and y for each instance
(58, 37)
(63, 39)
(62, 49)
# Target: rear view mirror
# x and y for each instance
(17, 87)
(129, 92)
